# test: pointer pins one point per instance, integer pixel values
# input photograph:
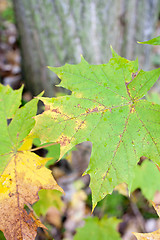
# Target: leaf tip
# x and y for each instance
(83, 61)
(111, 48)
(94, 204)
(134, 233)
(22, 86)
(53, 69)
(39, 95)
(58, 188)
(114, 54)
(82, 58)
(49, 67)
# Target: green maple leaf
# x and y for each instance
(106, 108)
(147, 178)
(47, 199)
(15, 122)
(154, 41)
(96, 229)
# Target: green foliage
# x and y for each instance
(153, 97)
(147, 178)
(47, 199)
(113, 205)
(13, 133)
(96, 229)
(107, 108)
(2, 236)
(154, 41)
(8, 13)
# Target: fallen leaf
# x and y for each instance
(153, 235)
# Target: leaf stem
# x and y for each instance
(31, 209)
(44, 146)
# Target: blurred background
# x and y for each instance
(39, 33)
(53, 32)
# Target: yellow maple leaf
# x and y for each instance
(153, 235)
(20, 182)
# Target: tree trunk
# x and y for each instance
(53, 32)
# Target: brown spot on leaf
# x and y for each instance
(132, 109)
(88, 110)
(107, 109)
(39, 166)
(56, 110)
(94, 109)
(47, 107)
(64, 140)
(80, 124)
(134, 75)
(10, 194)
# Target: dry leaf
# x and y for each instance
(153, 235)
(24, 176)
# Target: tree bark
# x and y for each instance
(53, 32)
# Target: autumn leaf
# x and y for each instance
(153, 235)
(24, 176)
(94, 228)
(107, 108)
(23, 173)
